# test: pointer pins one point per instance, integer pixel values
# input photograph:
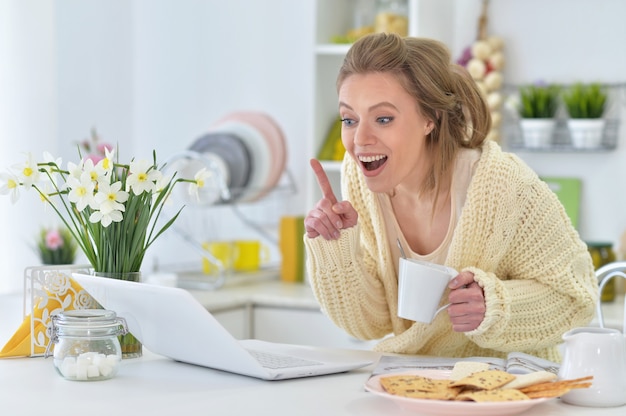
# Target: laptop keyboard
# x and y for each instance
(274, 361)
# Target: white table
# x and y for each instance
(155, 385)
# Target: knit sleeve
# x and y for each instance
(346, 275)
(536, 273)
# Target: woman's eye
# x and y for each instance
(347, 121)
(384, 120)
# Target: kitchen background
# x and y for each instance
(155, 74)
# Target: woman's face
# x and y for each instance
(384, 131)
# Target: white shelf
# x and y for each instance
(561, 140)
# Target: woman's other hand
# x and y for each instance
(467, 303)
(329, 216)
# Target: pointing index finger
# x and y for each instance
(323, 181)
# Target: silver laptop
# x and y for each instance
(169, 321)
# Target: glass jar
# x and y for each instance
(602, 253)
(86, 345)
(392, 16)
(363, 12)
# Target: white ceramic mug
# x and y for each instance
(420, 288)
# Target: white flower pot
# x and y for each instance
(537, 132)
(586, 133)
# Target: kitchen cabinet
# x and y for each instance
(336, 17)
(264, 307)
(235, 320)
(286, 324)
(301, 326)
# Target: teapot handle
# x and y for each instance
(604, 274)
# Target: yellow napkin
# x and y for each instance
(61, 293)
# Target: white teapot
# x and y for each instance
(600, 352)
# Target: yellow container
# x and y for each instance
(292, 249)
(223, 251)
(250, 255)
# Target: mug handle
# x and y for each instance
(234, 253)
(264, 253)
(443, 308)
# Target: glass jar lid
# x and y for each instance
(85, 317)
(85, 323)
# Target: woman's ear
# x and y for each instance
(428, 127)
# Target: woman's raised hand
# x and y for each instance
(329, 216)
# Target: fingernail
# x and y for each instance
(336, 234)
(339, 224)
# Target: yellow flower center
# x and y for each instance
(81, 191)
(11, 184)
(93, 175)
(111, 197)
(142, 177)
(200, 183)
(106, 163)
(27, 171)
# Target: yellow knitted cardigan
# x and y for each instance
(513, 234)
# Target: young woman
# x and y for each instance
(419, 170)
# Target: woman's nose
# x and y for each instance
(363, 136)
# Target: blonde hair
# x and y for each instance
(444, 92)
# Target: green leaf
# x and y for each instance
(585, 100)
(539, 101)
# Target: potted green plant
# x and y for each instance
(537, 109)
(585, 105)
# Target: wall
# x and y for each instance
(566, 41)
(154, 74)
(149, 74)
(28, 118)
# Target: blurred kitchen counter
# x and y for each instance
(262, 288)
(265, 288)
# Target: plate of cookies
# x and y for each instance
(471, 393)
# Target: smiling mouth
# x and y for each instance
(372, 162)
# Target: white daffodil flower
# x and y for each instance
(107, 163)
(96, 172)
(10, 184)
(200, 179)
(81, 191)
(51, 166)
(110, 198)
(106, 219)
(28, 172)
(75, 170)
(45, 190)
(142, 177)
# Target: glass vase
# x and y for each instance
(131, 347)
